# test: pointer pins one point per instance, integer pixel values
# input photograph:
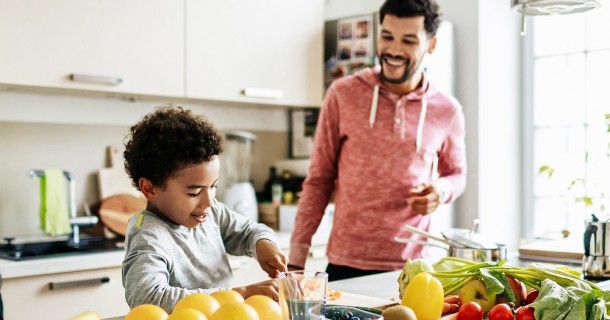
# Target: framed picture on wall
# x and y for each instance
(303, 124)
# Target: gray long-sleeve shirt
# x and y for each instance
(165, 261)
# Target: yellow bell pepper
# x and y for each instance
(425, 296)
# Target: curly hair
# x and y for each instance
(167, 140)
(428, 9)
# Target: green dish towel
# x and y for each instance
(54, 215)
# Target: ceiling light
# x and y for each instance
(550, 7)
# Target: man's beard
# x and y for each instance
(407, 74)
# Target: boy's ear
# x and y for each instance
(147, 188)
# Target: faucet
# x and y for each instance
(75, 222)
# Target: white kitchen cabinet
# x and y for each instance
(262, 51)
(64, 295)
(125, 46)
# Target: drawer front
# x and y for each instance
(64, 295)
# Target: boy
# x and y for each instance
(178, 245)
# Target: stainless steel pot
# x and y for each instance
(483, 255)
(472, 254)
(484, 251)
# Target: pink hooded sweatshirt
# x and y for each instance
(371, 147)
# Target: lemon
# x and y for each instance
(201, 302)
(187, 314)
(266, 307)
(224, 296)
(146, 312)
(235, 311)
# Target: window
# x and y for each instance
(567, 110)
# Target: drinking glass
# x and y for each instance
(302, 291)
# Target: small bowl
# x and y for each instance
(334, 312)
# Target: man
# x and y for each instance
(380, 133)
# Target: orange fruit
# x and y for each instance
(266, 307)
(235, 311)
(146, 312)
(201, 302)
(224, 296)
(187, 314)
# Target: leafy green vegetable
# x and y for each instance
(571, 303)
(563, 294)
(454, 272)
(553, 303)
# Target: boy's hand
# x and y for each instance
(271, 258)
(267, 288)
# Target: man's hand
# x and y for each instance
(424, 199)
(271, 258)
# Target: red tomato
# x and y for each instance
(500, 312)
(525, 313)
(470, 311)
(531, 296)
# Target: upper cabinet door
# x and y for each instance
(257, 51)
(127, 46)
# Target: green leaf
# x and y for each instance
(598, 311)
(588, 201)
(575, 181)
(508, 290)
(546, 169)
(492, 284)
(554, 302)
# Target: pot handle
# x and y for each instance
(423, 243)
(428, 235)
(589, 231)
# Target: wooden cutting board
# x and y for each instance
(114, 180)
(116, 210)
(562, 249)
(357, 300)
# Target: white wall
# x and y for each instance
(499, 171)
(487, 45)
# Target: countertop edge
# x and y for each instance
(16, 269)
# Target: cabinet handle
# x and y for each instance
(263, 93)
(78, 283)
(97, 79)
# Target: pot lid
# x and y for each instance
(469, 239)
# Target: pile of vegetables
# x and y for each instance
(563, 294)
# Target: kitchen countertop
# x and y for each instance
(385, 285)
(90, 261)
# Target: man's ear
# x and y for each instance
(147, 188)
(431, 44)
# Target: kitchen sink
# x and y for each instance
(52, 249)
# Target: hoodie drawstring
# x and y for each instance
(420, 122)
(373, 112)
